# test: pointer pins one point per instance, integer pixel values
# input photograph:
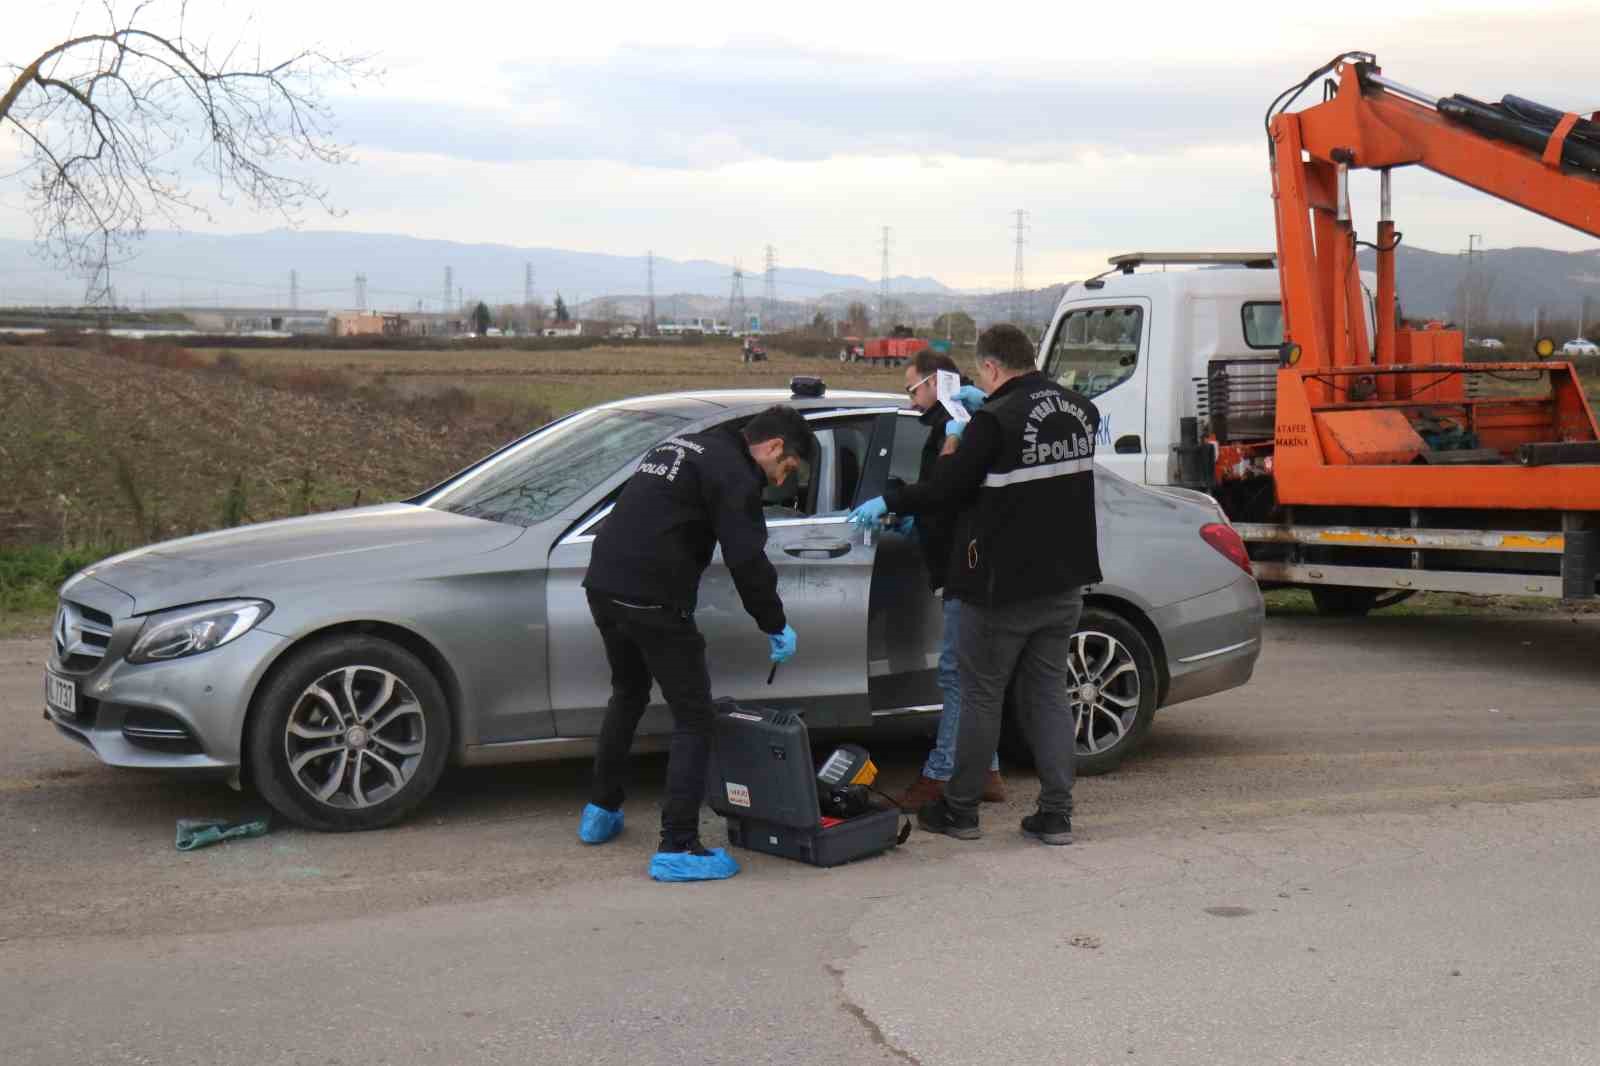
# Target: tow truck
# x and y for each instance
(1358, 458)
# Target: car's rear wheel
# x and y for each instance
(1112, 692)
(350, 733)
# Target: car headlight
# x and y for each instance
(191, 630)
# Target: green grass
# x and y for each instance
(1293, 603)
(29, 578)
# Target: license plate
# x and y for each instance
(60, 695)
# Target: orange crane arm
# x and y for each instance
(1375, 124)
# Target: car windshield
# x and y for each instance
(533, 480)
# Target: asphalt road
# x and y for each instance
(1383, 850)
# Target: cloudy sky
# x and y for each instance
(711, 130)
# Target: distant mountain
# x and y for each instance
(253, 270)
(1509, 282)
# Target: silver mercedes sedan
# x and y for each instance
(337, 662)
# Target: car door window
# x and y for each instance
(909, 436)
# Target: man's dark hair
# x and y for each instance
(927, 361)
(785, 422)
(1008, 346)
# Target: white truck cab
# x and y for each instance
(1142, 341)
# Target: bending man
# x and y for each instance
(688, 495)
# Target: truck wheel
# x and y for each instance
(1339, 601)
(350, 733)
(1113, 694)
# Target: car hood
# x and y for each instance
(361, 543)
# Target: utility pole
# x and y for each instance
(770, 294)
(649, 329)
(736, 299)
(361, 292)
(294, 290)
(1466, 288)
(1017, 287)
(98, 292)
(884, 326)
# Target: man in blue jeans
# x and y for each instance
(934, 534)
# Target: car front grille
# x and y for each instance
(82, 635)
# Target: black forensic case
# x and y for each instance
(763, 783)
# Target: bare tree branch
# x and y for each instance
(107, 119)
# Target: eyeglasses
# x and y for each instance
(911, 390)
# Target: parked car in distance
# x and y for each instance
(1494, 344)
(1580, 346)
(337, 662)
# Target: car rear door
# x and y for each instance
(825, 573)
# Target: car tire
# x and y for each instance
(349, 733)
(1131, 672)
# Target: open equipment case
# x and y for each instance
(763, 782)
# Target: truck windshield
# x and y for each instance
(535, 479)
(1096, 349)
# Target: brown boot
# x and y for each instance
(922, 791)
(994, 788)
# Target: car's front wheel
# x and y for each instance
(350, 733)
(1112, 689)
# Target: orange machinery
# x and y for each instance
(1347, 403)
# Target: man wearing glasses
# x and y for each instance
(688, 495)
(935, 535)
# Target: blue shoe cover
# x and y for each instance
(687, 866)
(599, 825)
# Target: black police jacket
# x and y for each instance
(934, 529)
(1023, 480)
(688, 495)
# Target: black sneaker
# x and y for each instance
(1051, 827)
(937, 817)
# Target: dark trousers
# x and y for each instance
(663, 645)
(1024, 646)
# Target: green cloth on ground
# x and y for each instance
(203, 832)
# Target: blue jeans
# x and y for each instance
(942, 759)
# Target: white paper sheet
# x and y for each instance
(948, 383)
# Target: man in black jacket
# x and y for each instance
(933, 532)
(688, 495)
(1025, 547)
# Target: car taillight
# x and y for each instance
(1223, 538)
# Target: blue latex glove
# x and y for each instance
(906, 526)
(869, 513)
(971, 397)
(783, 644)
(954, 428)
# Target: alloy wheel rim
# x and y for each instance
(354, 737)
(1104, 691)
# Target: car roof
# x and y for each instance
(704, 404)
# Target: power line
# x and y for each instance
(449, 289)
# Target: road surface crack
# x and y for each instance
(874, 1030)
